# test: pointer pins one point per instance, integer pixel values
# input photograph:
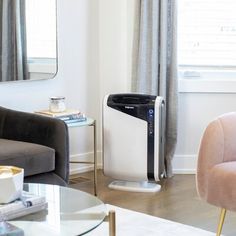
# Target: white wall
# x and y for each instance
(107, 70)
(195, 111)
(79, 48)
(113, 30)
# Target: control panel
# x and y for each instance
(150, 119)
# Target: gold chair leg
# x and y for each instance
(112, 223)
(221, 221)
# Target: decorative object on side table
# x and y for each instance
(57, 104)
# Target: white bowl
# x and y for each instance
(11, 183)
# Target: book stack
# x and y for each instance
(68, 116)
(27, 204)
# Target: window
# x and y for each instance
(207, 39)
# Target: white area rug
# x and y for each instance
(131, 223)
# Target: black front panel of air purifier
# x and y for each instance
(142, 107)
(150, 142)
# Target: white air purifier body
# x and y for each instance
(133, 141)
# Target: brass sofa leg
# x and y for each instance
(221, 221)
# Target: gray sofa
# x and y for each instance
(36, 143)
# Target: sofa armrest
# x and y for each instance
(34, 128)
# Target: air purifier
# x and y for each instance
(133, 141)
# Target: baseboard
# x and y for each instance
(182, 164)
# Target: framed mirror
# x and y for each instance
(28, 40)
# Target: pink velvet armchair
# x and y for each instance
(216, 171)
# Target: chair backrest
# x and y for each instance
(218, 145)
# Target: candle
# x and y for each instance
(6, 173)
(57, 104)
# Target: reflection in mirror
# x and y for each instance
(28, 43)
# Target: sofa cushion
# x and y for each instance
(33, 158)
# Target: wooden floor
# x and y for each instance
(177, 201)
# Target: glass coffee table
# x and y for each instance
(70, 212)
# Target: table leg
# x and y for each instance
(112, 223)
(95, 157)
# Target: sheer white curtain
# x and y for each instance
(155, 62)
(13, 60)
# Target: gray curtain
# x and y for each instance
(155, 62)
(13, 54)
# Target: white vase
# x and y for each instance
(11, 183)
